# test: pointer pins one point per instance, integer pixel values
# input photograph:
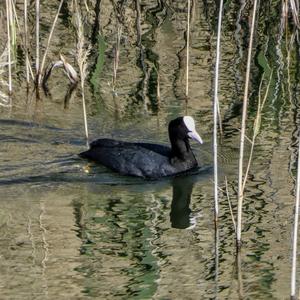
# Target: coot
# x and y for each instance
(149, 160)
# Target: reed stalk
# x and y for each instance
(243, 130)
(49, 41)
(13, 35)
(14, 17)
(117, 56)
(26, 42)
(295, 231)
(187, 49)
(295, 12)
(82, 55)
(158, 96)
(37, 37)
(216, 112)
(8, 21)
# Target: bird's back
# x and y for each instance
(136, 159)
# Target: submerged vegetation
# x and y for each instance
(112, 49)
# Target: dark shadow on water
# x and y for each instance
(180, 210)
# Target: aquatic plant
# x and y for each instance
(83, 50)
(37, 43)
(295, 229)
(243, 129)
(187, 49)
(9, 43)
(48, 43)
(216, 112)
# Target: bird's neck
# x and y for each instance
(181, 149)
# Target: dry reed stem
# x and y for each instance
(295, 12)
(49, 41)
(68, 69)
(8, 15)
(37, 37)
(187, 49)
(12, 20)
(82, 55)
(21, 37)
(117, 56)
(243, 129)
(216, 112)
(26, 42)
(295, 231)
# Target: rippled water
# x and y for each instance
(70, 229)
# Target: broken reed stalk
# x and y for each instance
(295, 232)
(26, 42)
(216, 112)
(37, 38)
(49, 41)
(8, 21)
(243, 130)
(82, 55)
(187, 49)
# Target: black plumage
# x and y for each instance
(145, 159)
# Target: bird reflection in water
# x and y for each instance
(180, 215)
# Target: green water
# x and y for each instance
(70, 229)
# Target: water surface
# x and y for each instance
(70, 229)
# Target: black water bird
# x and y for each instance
(149, 160)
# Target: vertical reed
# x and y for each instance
(82, 55)
(37, 37)
(117, 55)
(26, 42)
(216, 111)
(8, 22)
(13, 34)
(49, 40)
(295, 232)
(187, 49)
(295, 12)
(243, 129)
